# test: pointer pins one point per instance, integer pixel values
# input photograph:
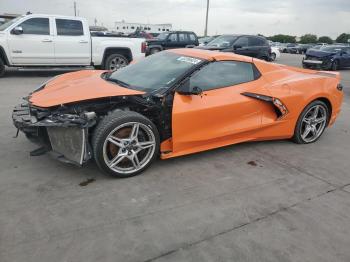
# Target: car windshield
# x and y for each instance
(155, 72)
(162, 36)
(331, 48)
(8, 23)
(223, 41)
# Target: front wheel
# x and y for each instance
(125, 143)
(311, 123)
(335, 65)
(273, 57)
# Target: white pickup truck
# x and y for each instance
(37, 40)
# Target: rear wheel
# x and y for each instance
(273, 56)
(115, 62)
(311, 123)
(154, 51)
(2, 68)
(125, 143)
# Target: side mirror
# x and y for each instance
(185, 89)
(18, 30)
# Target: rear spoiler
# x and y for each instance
(329, 74)
(309, 71)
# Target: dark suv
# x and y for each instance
(248, 45)
(169, 40)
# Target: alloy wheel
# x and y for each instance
(129, 147)
(117, 63)
(313, 123)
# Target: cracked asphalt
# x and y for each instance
(261, 201)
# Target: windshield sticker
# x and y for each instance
(189, 60)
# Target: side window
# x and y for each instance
(173, 37)
(192, 37)
(242, 41)
(182, 37)
(222, 74)
(69, 27)
(36, 26)
(256, 41)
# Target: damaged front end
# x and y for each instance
(59, 131)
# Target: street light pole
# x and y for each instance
(206, 20)
(75, 8)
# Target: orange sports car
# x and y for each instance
(175, 103)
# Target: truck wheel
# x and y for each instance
(2, 68)
(125, 143)
(154, 51)
(115, 62)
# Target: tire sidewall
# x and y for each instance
(111, 57)
(297, 134)
(98, 144)
(2, 68)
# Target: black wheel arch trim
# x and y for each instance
(3, 56)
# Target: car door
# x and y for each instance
(171, 41)
(221, 114)
(72, 43)
(240, 46)
(346, 56)
(183, 40)
(255, 47)
(34, 46)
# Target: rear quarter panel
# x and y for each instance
(297, 88)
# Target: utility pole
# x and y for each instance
(75, 8)
(206, 20)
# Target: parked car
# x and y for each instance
(275, 53)
(207, 39)
(61, 41)
(304, 47)
(174, 103)
(169, 40)
(248, 45)
(330, 57)
(291, 49)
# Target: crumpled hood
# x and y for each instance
(78, 86)
(318, 53)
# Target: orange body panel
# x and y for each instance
(78, 86)
(217, 117)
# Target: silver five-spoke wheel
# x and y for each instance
(129, 147)
(312, 122)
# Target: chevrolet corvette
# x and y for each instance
(175, 103)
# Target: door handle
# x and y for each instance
(83, 41)
(47, 41)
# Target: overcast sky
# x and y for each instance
(268, 17)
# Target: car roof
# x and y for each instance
(210, 55)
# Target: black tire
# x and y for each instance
(110, 123)
(154, 51)
(273, 57)
(306, 66)
(115, 62)
(2, 68)
(335, 65)
(297, 137)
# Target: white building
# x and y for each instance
(128, 28)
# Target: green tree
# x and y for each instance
(325, 39)
(343, 38)
(282, 38)
(308, 39)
